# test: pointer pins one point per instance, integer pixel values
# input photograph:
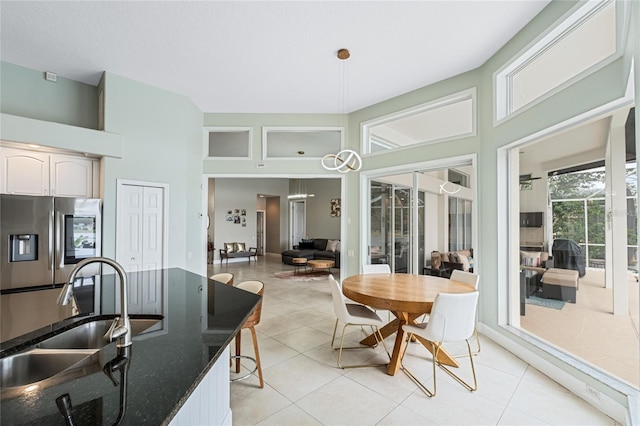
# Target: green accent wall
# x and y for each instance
(26, 93)
(162, 140)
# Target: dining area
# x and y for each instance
(423, 309)
(303, 385)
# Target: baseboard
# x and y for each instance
(604, 403)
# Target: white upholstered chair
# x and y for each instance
(452, 319)
(376, 268)
(353, 314)
(471, 279)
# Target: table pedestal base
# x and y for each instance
(395, 326)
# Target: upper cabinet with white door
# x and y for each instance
(71, 176)
(40, 173)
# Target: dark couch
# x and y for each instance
(311, 250)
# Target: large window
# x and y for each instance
(578, 212)
(447, 118)
(573, 48)
(579, 179)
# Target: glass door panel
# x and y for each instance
(402, 229)
(380, 219)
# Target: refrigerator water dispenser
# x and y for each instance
(23, 247)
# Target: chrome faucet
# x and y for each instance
(120, 330)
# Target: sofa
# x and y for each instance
(237, 250)
(313, 249)
(538, 261)
(442, 263)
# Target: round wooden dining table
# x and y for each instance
(408, 297)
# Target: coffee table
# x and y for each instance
(321, 264)
(299, 262)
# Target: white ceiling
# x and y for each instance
(264, 56)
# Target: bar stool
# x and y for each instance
(223, 277)
(256, 287)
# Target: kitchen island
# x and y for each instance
(168, 368)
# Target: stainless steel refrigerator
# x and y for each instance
(42, 238)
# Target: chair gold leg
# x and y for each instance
(376, 333)
(473, 370)
(436, 348)
(475, 333)
(405, 370)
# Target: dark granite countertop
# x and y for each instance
(165, 364)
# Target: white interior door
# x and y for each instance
(140, 240)
(298, 225)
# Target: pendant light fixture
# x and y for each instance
(298, 190)
(346, 160)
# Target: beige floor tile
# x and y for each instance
(404, 417)
(304, 338)
(290, 416)
(454, 405)
(345, 402)
(556, 404)
(512, 417)
(250, 404)
(298, 376)
(304, 386)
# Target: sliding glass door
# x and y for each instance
(415, 213)
(390, 225)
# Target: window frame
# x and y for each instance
(577, 16)
(215, 129)
(463, 95)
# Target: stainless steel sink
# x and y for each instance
(37, 364)
(68, 355)
(90, 335)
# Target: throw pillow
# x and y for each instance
(464, 261)
(332, 245)
(436, 259)
(530, 258)
(229, 247)
(240, 247)
(338, 246)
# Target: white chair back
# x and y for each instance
(339, 305)
(452, 318)
(465, 277)
(376, 268)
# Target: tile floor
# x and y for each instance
(589, 329)
(303, 385)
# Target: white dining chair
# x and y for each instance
(452, 319)
(354, 314)
(377, 268)
(471, 279)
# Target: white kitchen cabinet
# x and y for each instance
(24, 172)
(41, 173)
(71, 176)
